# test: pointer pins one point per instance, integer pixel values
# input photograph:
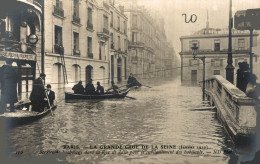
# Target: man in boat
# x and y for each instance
(90, 89)
(114, 88)
(8, 86)
(100, 89)
(38, 94)
(132, 81)
(51, 96)
(78, 88)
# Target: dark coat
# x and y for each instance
(89, 89)
(78, 89)
(38, 90)
(51, 96)
(100, 90)
(9, 84)
(240, 79)
(132, 82)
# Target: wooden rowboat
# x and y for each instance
(20, 117)
(73, 96)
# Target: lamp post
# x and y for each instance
(230, 68)
(195, 53)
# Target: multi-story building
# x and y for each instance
(20, 39)
(78, 31)
(118, 43)
(213, 44)
(147, 40)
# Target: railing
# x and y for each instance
(89, 25)
(106, 31)
(58, 11)
(136, 44)
(236, 110)
(134, 59)
(58, 49)
(90, 55)
(76, 19)
(76, 52)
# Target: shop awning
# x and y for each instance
(17, 56)
(12, 5)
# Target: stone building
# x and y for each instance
(213, 44)
(118, 43)
(20, 39)
(79, 31)
(147, 41)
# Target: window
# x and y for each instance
(193, 43)
(112, 19)
(125, 44)
(119, 46)
(112, 40)
(76, 41)
(216, 72)
(241, 44)
(58, 35)
(89, 45)
(76, 8)
(90, 15)
(217, 62)
(118, 23)
(134, 20)
(125, 27)
(105, 21)
(134, 36)
(216, 45)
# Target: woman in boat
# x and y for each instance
(8, 86)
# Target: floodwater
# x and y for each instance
(159, 116)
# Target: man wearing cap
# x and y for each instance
(38, 94)
(90, 89)
(51, 96)
(8, 86)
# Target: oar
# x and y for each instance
(146, 86)
(131, 97)
(48, 102)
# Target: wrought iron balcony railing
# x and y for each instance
(76, 52)
(106, 31)
(89, 25)
(58, 11)
(76, 19)
(58, 49)
(90, 55)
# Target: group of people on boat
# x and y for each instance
(91, 90)
(40, 97)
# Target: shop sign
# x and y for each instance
(17, 55)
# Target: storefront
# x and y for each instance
(20, 23)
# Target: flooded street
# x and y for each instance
(160, 115)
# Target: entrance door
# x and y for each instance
(88, 73)
(119, 73)
(193, 76)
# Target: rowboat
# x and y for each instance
(108, 95)
(21, 116)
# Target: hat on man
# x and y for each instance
(48, 86)
(42, 75)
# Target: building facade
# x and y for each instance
(118, 42)
(77, 36)
(213, 44)
(20, 39)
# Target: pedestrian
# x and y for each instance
(90, 89)
(132, 81)
(51, 96)
(240, 76)
(8, 86)
(38, 94)
(78, 88)
(100, 89)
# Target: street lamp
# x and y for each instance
(195, 53)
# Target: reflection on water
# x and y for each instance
(160, 116)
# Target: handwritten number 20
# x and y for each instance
(191, 18)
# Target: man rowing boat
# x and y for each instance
(131, 82)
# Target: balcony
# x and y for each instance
(136, 44)
(90, 55)
(76, 53)
(58, 49)
(106, 31)
(76, 19)
(89, 25)
(134, 59)
(58, 11)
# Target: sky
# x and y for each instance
(175, 26)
